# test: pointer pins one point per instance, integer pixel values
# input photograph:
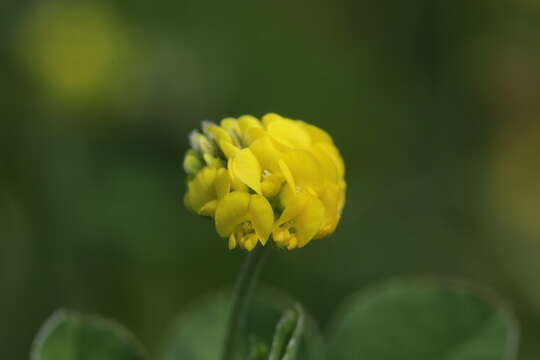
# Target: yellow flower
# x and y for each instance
(205, 189)
(245, 219)
(277, 178)
(301, 220)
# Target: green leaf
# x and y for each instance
(68, 335)
(288, 335)
(199, 332)
(424, 320)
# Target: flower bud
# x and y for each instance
(192, 162)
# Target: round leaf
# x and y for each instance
(72, 336)
(424, 320)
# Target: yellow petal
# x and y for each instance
(246, 168)
(327, 228)
(287, 175)
(229, 149)
(262, 217)
(236, 184)
(232, 241)
(288, 196)
(247, 124)
(266, 153)
(327, 165)
(230, 124)
(334, 154)
(271, 185)
(231, 211)
(289, 133)
(309, 221)
(304, 169)
(253, 134)
(330, 198)
(293, 209)
(206, 177)
(209, 208)
(269, 118)
(222, 183)
(316, 134)
(219, 134)
(201, 189)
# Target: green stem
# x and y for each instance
(236, 337)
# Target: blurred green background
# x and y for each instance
(435, 106)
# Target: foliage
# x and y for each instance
(406, 319)
(68, 335)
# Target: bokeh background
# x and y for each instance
(435, 106)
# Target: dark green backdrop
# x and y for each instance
(434, 104)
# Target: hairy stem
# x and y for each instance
(236, 337)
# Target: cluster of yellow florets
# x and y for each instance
(275, 177)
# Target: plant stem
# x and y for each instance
(236, 337)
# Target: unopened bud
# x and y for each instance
(192, 162)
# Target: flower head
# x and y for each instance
(271, 178)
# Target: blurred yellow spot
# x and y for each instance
(76, 50)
